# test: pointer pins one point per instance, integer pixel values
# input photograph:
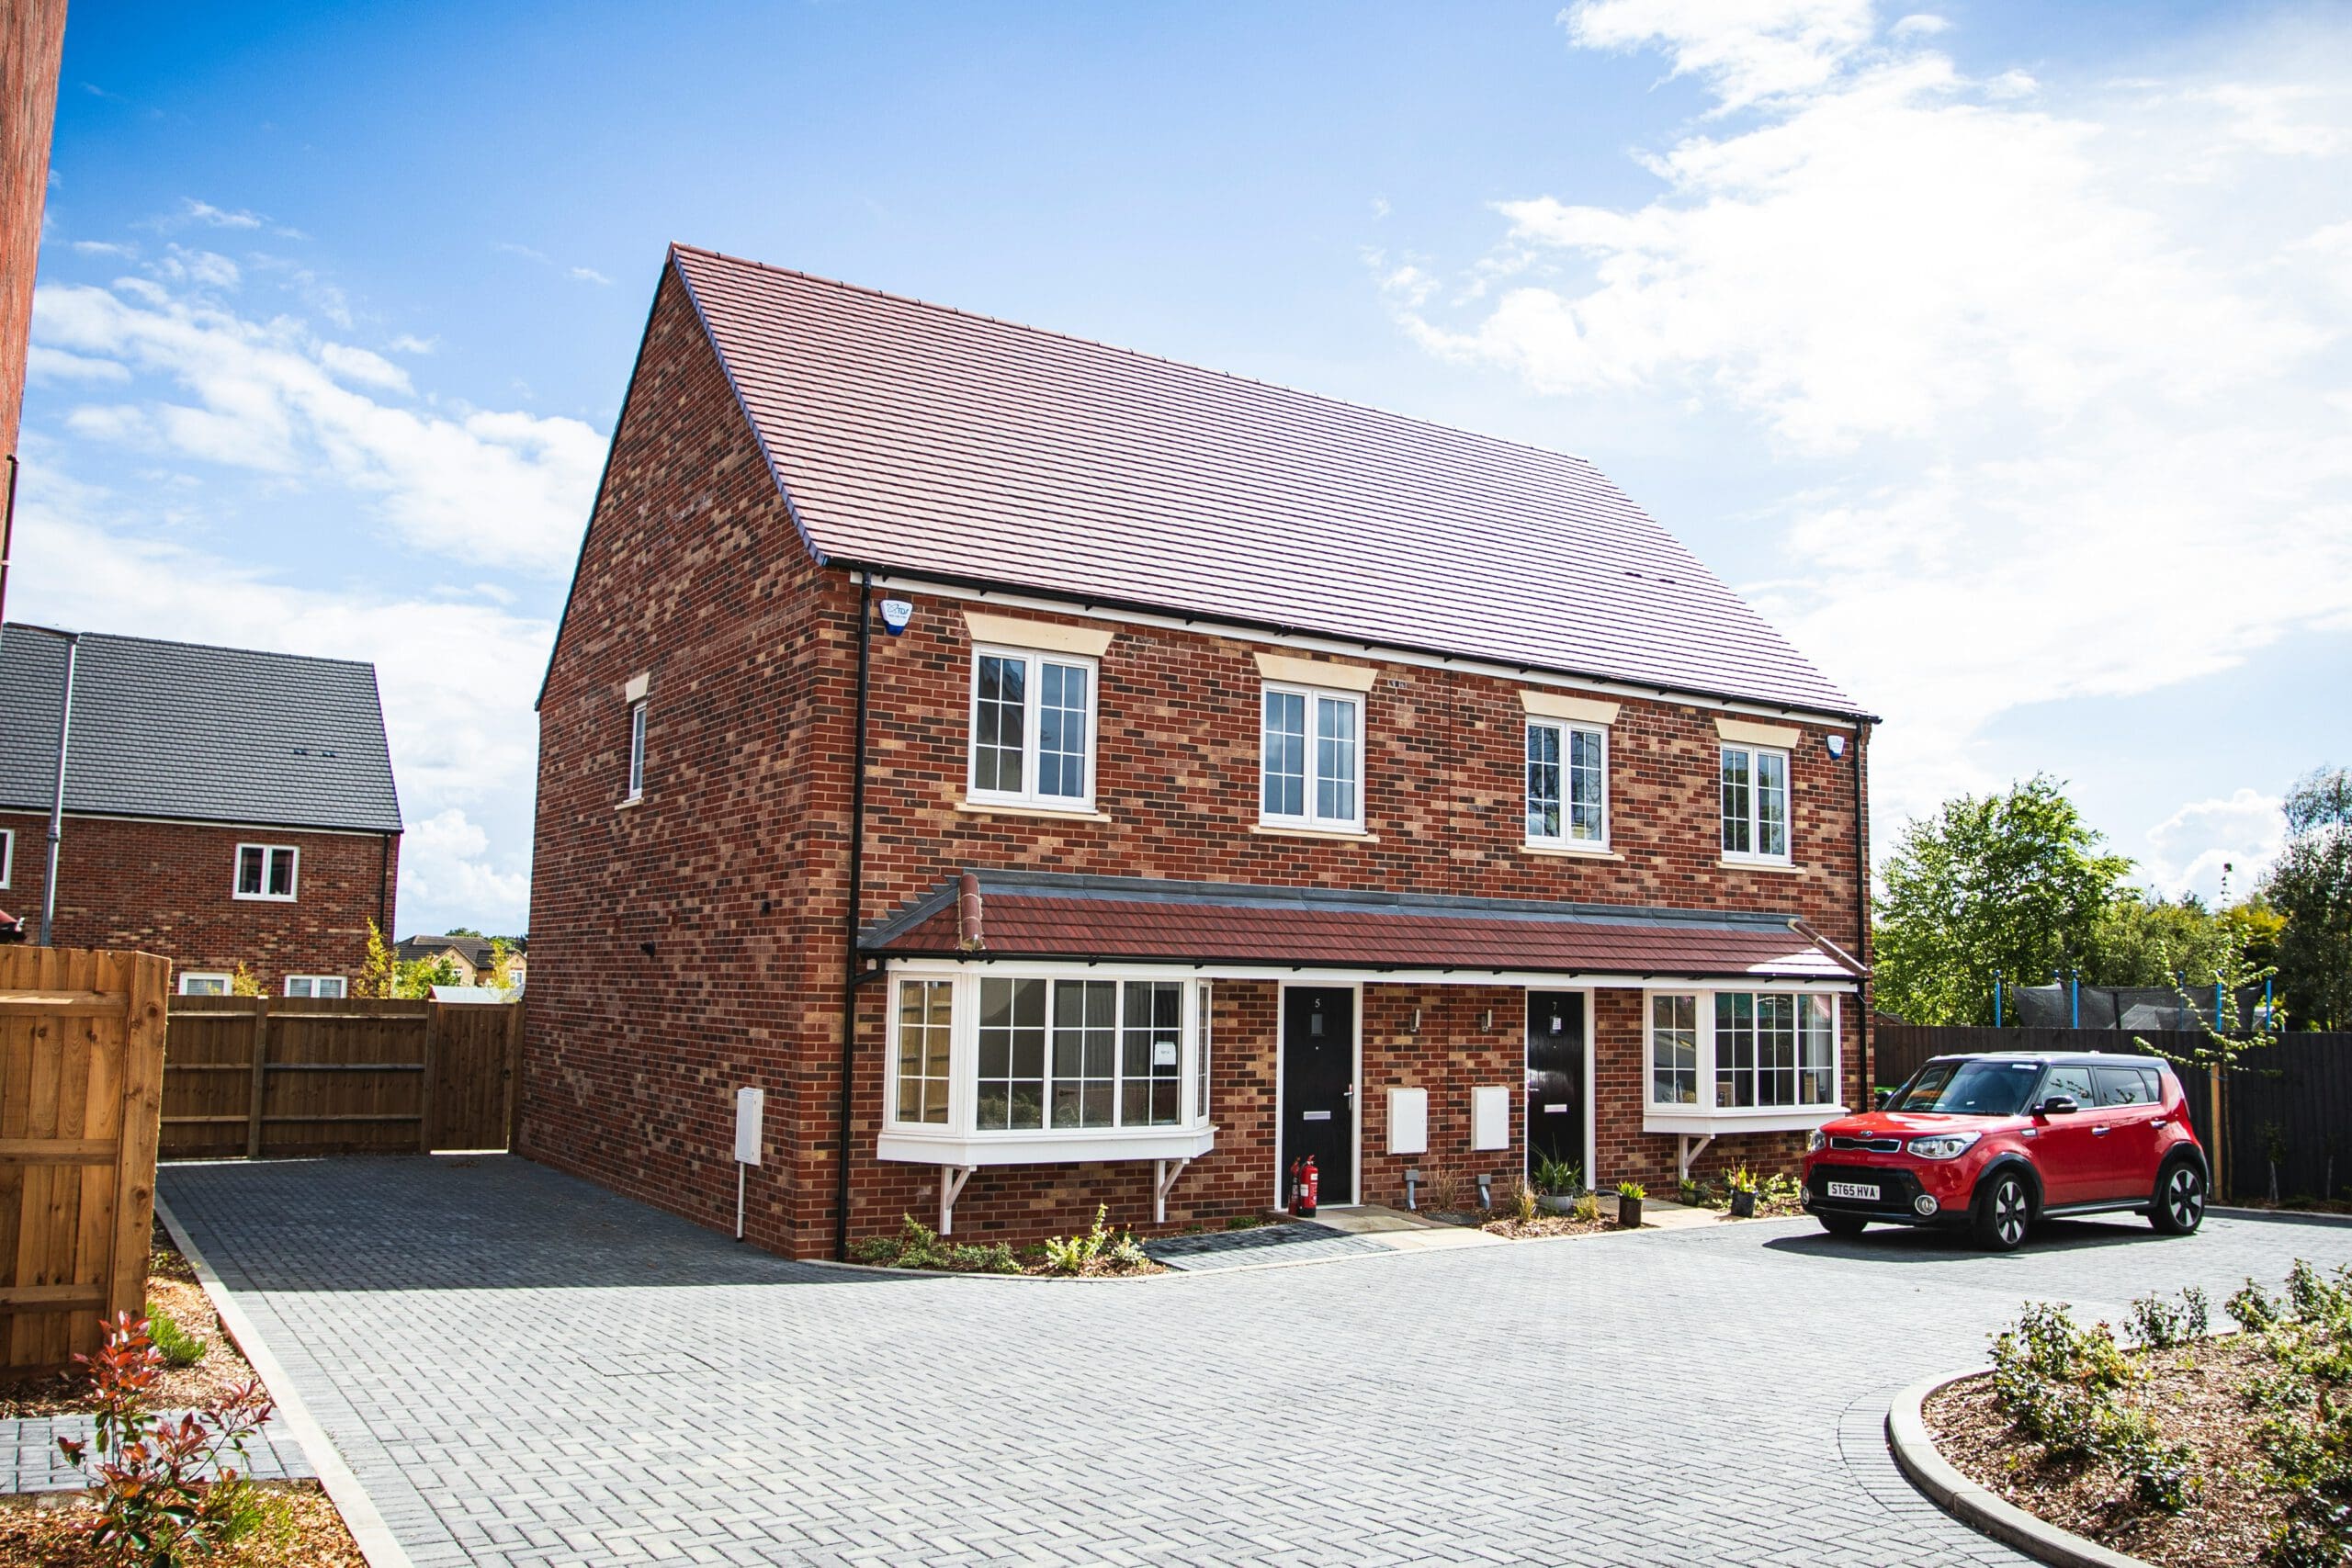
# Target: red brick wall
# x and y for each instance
(164, 888)
(733, 869)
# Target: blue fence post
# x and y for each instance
(2076, 998)
(1997, 998)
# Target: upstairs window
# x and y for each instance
(267, 871)
(1032, 729)
(1755, 803)
(7, 854)
(1567, 785)
(636, 751)
(1311, 759)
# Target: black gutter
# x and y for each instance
(384, 887)
(1244, 623)
(1862, 905)
(7, 534)
(856, 878)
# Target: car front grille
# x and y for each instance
(1896, 1188)
(1876, 1145)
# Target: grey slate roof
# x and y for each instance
(922, 440)
(184, 730)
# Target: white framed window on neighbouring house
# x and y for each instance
(267, 871)
(1311, 759)
(1755, 803)
(636, 751)
(1743, 1054)
(315, 986)
(200, 983)
(7, 854)
(1032, 729)
(1567, 785)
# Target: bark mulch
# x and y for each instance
(2197, 1395)
(171, 1287)
(1543, 1225)
(298, 1528)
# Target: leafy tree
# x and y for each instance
(383, 974)
(464, 931)
(2310, 885)
(2012, 883)
(2140, 939)
(243, 983)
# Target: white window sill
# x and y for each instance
(1015, 808)
(1570, 851)
(1734, 862)
(913, 1146)
(1291, 830)
(625, 805)
(1766, 1119)
(263, 898)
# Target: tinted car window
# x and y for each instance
(2123, 1086)
(1969, 1089)
(2155, 1082)
(2074, 1083)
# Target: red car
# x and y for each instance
(1998, 1141)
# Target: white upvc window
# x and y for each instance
(7, 854)
(1742, 1055)
(1029, 1064)
(197, 983)
(1311, 759)
(636, 751)
(267, 871)
(1755, 803)
(322, 986)
(1567, 785)
(1032, 729)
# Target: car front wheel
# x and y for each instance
(2004, 1210)
(2179, 1208)
(1841, 1224)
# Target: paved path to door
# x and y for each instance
(525, 1370)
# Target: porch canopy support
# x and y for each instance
(1686, 1150)
(951, 1187)
(1164, 1173)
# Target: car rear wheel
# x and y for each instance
(1841, 1224)
(2004, 1210)
(2179, 1207)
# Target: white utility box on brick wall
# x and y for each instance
(1490, 1116)
(1409, 1120)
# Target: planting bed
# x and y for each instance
(296, 1527)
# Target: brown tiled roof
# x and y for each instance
(914, 437)
(1045, 915)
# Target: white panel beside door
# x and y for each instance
(1490, 1116)
(1409, 1120)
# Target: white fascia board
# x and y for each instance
(1724, 1123)
(1209, 626)
(1311, 975)
(910, 1147)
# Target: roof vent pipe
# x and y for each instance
(967, 914)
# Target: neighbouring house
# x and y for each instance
(468, 957)
(223, 807)
(1057, 775)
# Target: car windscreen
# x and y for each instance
(1969, 1089)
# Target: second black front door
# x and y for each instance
(1555, 1076)
(1319, 1088)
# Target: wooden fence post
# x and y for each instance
(142, 1114)
(514, 1071)
(427, 1092)
(260, 1078)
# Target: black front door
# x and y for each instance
(1555, 1076)
(1319, 1088)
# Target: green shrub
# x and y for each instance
(1558, 1177)
(1098, 1250)
(917, 1246)
(1587, 1208)
(1631, 1190)
(179, 1348)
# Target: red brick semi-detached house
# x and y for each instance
(223, 807)
(1169, 776)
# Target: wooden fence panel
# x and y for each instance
(81, 1084)
(271, 1077)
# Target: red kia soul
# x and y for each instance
(1998, 1141)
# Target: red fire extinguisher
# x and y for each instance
(1304, 1184)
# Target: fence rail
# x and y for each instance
(81, 1080)
(261, 1076)
(2285, 1113)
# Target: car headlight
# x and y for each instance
(1944, 1145)
(1815, 1141)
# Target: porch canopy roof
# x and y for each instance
(1047, 915)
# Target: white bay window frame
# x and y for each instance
(1035, 662)
(1704, 1114)
(959, 1141)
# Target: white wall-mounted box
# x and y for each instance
(1409, 1120)
(1490, 1116)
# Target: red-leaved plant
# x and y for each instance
(157, 1508)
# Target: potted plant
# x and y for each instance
(1557, 1182)
(1628, 1205)
(1742, 1183)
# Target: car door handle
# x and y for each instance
(2101, 1132)
(2158, 1123)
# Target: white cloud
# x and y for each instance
(46, 364)
(577, 273)
(207, 268)
(494, 487)
(2074, 358)
(409, 343)
(587, 275)
(1920, 24)
(194, 211)
(2207, 843)
(444, 859)
(102, 248)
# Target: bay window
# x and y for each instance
(1034, 1065)
(1567, 785)
(1311, 761)
(1755, 803)
(1032, 729)
(1741, 1056)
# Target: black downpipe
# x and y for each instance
(1862, 909)
(857, 880)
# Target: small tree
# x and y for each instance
(243, 983)
(379, 971)
(2228, 1035)
(2311, 887)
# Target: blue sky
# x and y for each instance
(1998, 351)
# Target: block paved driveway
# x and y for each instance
(526, 1370)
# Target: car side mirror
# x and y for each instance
(2059, 1105)
(1884, 1098)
